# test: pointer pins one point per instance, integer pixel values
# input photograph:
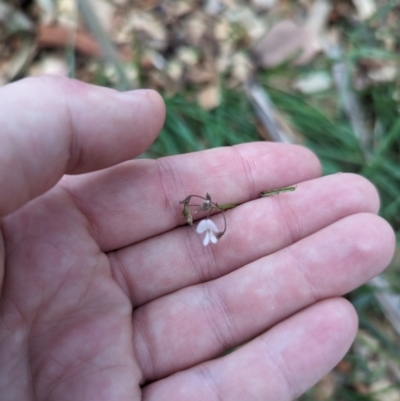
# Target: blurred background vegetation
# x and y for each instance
(322, 73)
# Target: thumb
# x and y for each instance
(51, 126)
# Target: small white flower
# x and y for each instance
(210, 228)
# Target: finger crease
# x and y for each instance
(75, 151)
(163, 170)
(280, 366)
(146, 344)
(248, 173)
(215, 301)
(205, 376)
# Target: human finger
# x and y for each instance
(279, 365)
(140, 199)
(52, 126)
(213, 317)
(177, 259)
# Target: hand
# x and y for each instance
(107, 295)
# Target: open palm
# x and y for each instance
(107, 295)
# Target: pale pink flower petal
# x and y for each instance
(202, 226)
(214, 239)
(210, 228)
(206, 240)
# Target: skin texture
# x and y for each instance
(107, 295)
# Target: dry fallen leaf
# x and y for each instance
(386, 73)
(60, 37)
(365, 8)
(264, 4)
(150, 31)
(312, 83)
(177, 9)
(286, 41)
(317, 18)
(17, 48)
(344, 366)
(325, 389)
(67, 13)
(188, 55)
(241, 67)
(49, 65)
(200, 75)
(246, 18)
(213, 7)
(210, 97)
(195, 27)
(151, 58)
(383, 390)
(105, 12)
(47, 9)
(174, 70)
